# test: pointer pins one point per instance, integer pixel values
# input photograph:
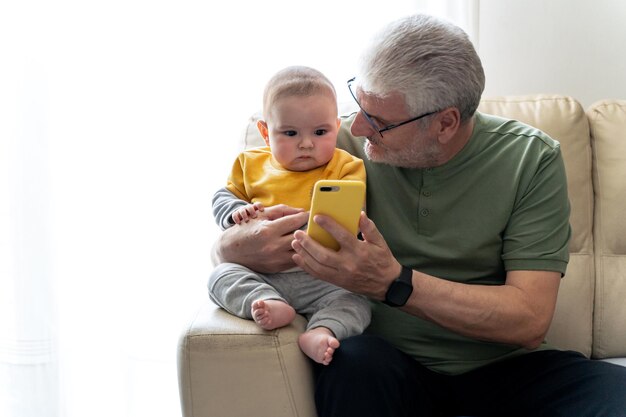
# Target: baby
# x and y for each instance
(300, 127)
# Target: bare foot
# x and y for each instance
(272, 314)
(319, 344)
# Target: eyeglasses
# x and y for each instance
(371, 121)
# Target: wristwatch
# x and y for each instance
(400, 290)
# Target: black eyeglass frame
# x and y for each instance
(373, 123)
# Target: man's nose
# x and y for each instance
(360, 126)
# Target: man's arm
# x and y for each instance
(518, 312)
(263, 245)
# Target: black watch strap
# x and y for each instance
(400, 289)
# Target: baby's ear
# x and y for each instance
(338, 122)
(262, 126)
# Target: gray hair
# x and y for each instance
(432, 62)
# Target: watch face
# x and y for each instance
(400, 290)
(398, 293)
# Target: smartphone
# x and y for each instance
(342, 200)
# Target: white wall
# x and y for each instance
(571, 47)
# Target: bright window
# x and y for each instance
(119, 120)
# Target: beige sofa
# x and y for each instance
(228, 367)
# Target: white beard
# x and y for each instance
(419, 154)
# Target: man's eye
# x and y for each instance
(290, 133)
(320, 132)
(378, 123)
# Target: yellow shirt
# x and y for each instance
(257, 177)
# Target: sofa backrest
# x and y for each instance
(591, 309)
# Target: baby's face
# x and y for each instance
(303, 131)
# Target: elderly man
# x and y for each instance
(462, 251)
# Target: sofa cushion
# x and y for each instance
(608, 130)
(616, 361)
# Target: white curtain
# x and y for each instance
(464, 13)
(118, 119)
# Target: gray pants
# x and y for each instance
(235, 287)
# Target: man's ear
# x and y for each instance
(262, 126)
(449, 123)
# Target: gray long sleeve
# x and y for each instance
(224, 204)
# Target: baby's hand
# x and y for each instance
(247, 212)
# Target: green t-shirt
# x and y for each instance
(500, 204)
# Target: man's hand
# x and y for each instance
(263, 245)
(281, 210)
(365, 267)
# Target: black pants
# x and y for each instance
(369, 377)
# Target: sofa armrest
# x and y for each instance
(229, 366)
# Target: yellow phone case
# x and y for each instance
(342, 200)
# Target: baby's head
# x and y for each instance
(300, 122)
